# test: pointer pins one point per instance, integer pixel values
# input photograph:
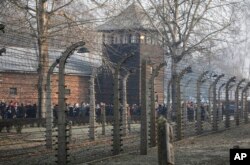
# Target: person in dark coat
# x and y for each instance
(20, 111)
(2, 108)
(28, 108)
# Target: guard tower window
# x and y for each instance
(134, 38)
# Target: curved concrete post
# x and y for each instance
(168, 100)
(179, 127)
(198, 101)
(215, 110)
(124, 102)
(244, 102)
(237, 114)
(49, 113)
(116, 102)
(155, 73)
(62, 138)
(92, 105)
(184, 107)
(219, 102)
(227, 122)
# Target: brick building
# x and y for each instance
(127, 33)
(19, 79)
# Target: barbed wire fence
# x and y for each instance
(80, 129)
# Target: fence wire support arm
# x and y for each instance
(62, 138)
(49, 113)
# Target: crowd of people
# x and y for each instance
(13, 109)
(83, 110)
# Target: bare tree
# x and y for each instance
(187, 26)
(50, 22)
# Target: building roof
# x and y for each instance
(17, 59)
(132, 18)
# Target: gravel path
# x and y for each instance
(211, 149)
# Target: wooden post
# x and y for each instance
(165, 139)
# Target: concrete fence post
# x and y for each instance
(237, 114)
(227, 122)
(92, 106)
(62, 138)
(165, 140)
(215, 110)
(244, 102)
(168, 100)
(116, 125)
(219, 102)
(198, 86)
(49, 113)
(117, 129)
(144, 123)
(179, 114)
(103, 114)
(124, 101)
(152, 132)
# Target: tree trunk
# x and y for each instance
(42, 21)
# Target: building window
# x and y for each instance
(13, 91)
(67, 91)
(117, 39)
(133, 39)
(148, 39)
